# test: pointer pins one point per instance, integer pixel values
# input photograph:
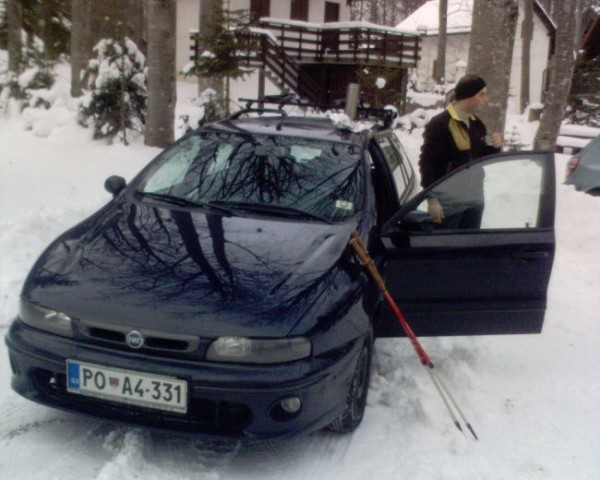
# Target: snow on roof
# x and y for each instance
(426, 17)
(338, 25)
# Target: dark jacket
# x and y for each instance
(440, 153)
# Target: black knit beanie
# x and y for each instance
(468, 86)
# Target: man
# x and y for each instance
(452, 139)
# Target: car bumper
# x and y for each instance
(225, 400)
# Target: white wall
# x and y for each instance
(540, 46)
(188, 17)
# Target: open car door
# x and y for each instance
(486, 274)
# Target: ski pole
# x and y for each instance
(367, 262)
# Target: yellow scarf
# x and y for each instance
(460, 134)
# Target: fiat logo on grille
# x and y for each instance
(134, 339)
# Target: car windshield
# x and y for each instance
(269, 174)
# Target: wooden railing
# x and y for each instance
(346, 43)
(281, 48)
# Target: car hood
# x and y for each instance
(140, 265)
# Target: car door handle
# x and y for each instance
(531, 255)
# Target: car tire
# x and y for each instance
(594, 192)
(356, 401)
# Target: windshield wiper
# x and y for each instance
(282, 211)
(184, 202)
(170, 199)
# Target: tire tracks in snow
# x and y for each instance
(63, 444)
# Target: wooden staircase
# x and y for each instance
(317, 61)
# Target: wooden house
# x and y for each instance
(311, 48)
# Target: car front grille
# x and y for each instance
(204, 416)
(153, 340)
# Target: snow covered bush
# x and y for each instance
(29, 86)
(115, 86)
(512, 142)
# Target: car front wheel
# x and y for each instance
(356, 401)
(595, 192)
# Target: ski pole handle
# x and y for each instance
(366, 260)
(368, 263)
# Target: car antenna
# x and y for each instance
(367, 262)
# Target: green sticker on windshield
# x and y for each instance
(344, 205)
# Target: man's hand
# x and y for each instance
(434, 207)
(496, 140)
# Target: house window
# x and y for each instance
(299, 10)
(331, 40)
(332, 12)
(259, 9)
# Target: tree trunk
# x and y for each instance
(122, 102)
(561, 72)
(578, 23)
(81, 47)
(43, 13)
(490, 54)
(160, 121)
(14, 16)
(440, 73)
(526, 36)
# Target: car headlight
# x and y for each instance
(253, 350)
(46, 319)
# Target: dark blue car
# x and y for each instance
(216, 292)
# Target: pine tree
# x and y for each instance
(116, 92)
(228, 41)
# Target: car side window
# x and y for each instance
(405, 166)
(488, 195)
(395, 161)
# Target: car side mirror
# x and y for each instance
(115, 185)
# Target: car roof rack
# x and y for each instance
(385, 115)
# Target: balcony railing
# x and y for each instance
(289, 51)
(347, 42)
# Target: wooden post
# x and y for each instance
(352, 100)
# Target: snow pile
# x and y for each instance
(533, 400)
(61, 114)
(342, 121)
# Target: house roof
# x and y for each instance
(460, 16)
(591, 42)
(426, 17)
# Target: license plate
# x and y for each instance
(124, 386)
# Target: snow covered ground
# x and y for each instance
(533, 400)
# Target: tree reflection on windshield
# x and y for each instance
(323, 179)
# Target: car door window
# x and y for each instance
(488, 195)
(489, 277)
(395, 161)
(405, 166)
(384, 186)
